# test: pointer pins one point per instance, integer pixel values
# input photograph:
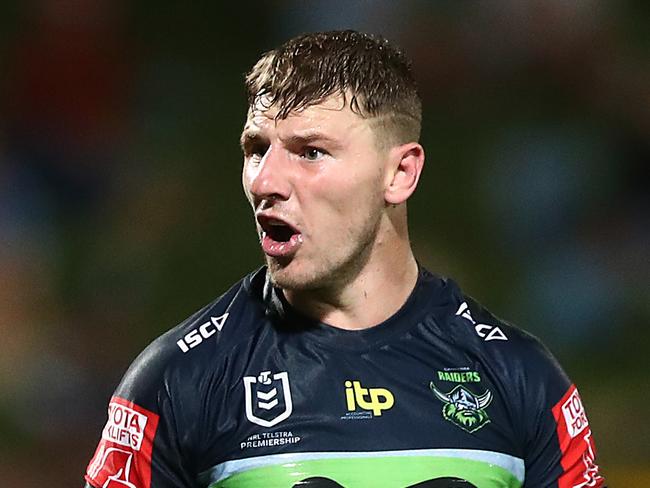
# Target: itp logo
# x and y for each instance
(374, 400)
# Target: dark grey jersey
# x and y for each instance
(247, 392)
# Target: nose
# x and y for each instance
(269, 179)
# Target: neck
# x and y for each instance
(373, 295)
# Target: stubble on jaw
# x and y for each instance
(327, 276)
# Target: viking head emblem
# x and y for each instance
(463, 408)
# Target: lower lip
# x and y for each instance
(281, 249)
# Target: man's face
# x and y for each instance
(316, 183)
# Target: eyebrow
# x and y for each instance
(309, 137)
(249, 138)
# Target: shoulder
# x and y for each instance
(505, 341)
(513, 356)
(157, 415)
(544, 406)
(199, 345)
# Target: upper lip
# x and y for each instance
(266, 219)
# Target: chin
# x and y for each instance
(289, 276)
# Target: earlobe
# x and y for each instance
(408, 161)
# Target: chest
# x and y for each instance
(395, 416)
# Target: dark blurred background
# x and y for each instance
(121, 210)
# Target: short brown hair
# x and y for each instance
(309, 68)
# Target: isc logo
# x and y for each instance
(204, 331)
(371, 399)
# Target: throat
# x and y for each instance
(361, 305)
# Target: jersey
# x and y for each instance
(248, 392)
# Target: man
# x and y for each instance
(342, 362)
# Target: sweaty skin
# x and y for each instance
(322, 172)
(341, 363)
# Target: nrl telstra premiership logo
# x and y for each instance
(463, 408)
(268, 398)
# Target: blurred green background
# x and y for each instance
(121, 210)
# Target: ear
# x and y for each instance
(406, 163)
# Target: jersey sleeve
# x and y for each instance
(139, 445)
(560, 451)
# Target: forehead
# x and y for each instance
(332, 115)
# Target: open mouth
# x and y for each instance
(278, 237)
(278, 231)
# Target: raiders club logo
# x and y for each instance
(463, 408)
(268, 398)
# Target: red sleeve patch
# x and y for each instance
(123, 457)
(576, 443)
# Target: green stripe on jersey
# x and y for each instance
(397, 469)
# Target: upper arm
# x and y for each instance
(560, 449)
(139, 445)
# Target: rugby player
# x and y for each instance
(342, 362)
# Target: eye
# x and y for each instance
(313, 153)
(255, 152)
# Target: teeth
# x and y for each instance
(276, 222)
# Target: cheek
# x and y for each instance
(360, 192)
(349, 202)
